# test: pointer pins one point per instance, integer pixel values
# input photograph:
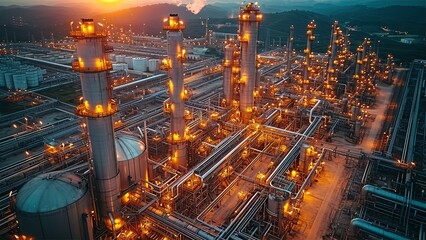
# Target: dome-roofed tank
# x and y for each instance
(132, 159)
(55, 205)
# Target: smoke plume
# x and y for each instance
(196, 5)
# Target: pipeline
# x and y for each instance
(368, 227)
(312, 110)
(308, 178)
(392, 197)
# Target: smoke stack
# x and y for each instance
(308, 52)
(175, 105)
(249, 19)
(229, 70)
(97, 106)
(332, 57)
(290, 49)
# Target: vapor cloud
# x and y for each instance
(196, 6)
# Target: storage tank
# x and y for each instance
(9, 80)
(20, 81)
(275, 205)
(32, 78)
(111, 57)
(140, 64)
(120, 66)
(2, 79)
(131, 158)
(120, 58)
(129, 61)
(153, 65)
(40, 74)
(55, 205)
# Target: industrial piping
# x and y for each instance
(368, 227)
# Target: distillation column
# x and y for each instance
(358, 66)
(332, 58)
(389, 69)
(290, 50)
(228, 69)
(178, 94)
(97, 106)
(249, 19)
(309, 55)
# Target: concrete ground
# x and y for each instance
(321, 200)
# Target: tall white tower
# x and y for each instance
(249, 19)
(97, 106)
(175, 105)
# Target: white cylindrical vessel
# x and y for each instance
(249, 19)
(129, 61)
(132, 159)
(153, 65)
(228, 80)
(98, 107)
(140, 64)
(176, 56)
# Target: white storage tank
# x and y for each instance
(112, 57)
(55, 205)
(20, 81)
(32, 78)
(140, 64)
(129, 61)
(131, 158)
(120, 66)
(153, 65)
(9, 80)
(120, 58)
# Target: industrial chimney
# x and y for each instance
(249, 19)
(290, 50)
(97, 106)
(175, 105)
(308, 51)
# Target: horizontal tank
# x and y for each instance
(55, 205)
(131, 158)
(140, 64)
(20, 81)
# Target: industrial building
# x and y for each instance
(232, 148)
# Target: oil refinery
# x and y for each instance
(168, 143)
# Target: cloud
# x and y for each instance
(196, 5)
